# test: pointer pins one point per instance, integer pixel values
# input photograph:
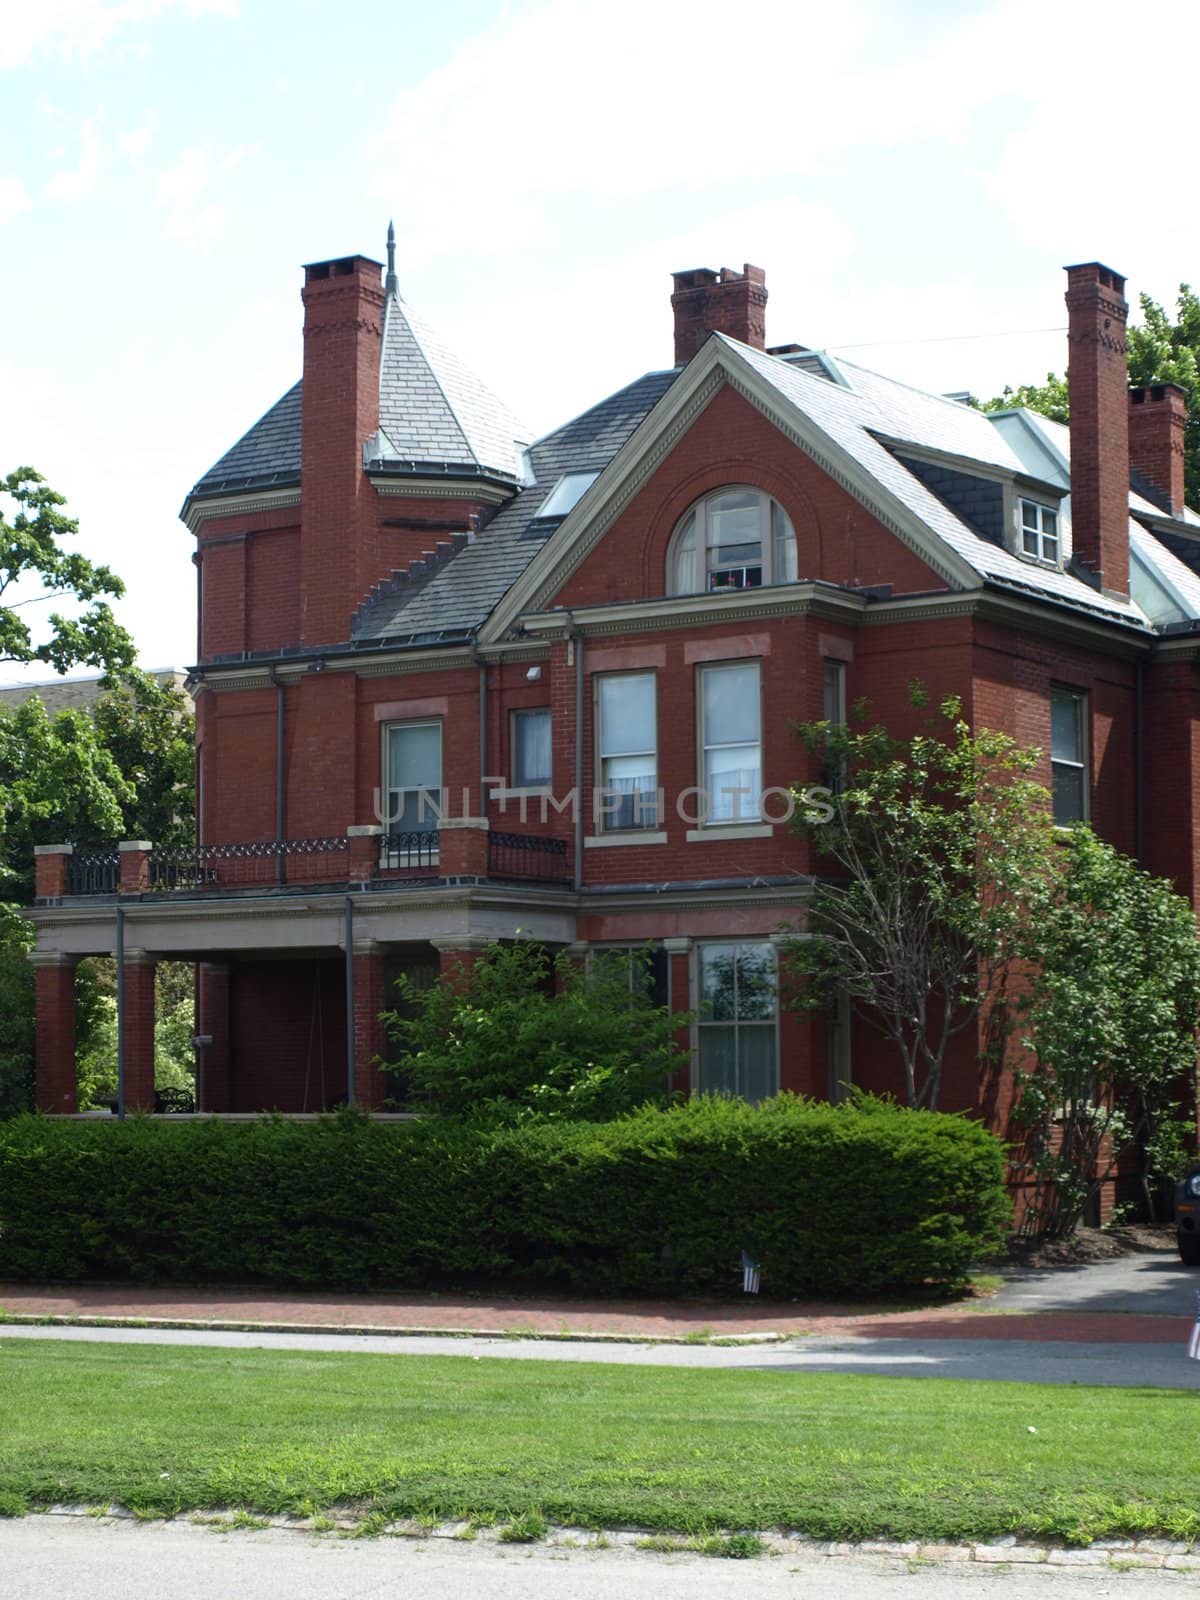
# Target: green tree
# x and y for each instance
(1162, 349)
(497, 1040)
(1110, 1015)
(121, 771)
(36, 569)
(929, 859)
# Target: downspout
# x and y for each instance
(121, 1012)
(1139, 762)
(350, 1063)
(575, 638)
(280, 694)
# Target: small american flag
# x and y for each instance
(1194, 1340)
(750, 1276)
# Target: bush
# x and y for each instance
(840, 1200)
(524, 1033)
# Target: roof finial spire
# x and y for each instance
(392, 285)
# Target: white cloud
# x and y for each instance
(182, 190)
(81, 27)
(14, 198)
(134, 143)
(78, 182)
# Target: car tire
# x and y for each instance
(1189, 1248)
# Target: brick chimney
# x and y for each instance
(1157, 418)
(1097, 384)
(728, 302)
(343, 321)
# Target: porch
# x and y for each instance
(296, 945)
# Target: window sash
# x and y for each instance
(1068, 756)
(413, 806)
(737, 1026)
(710, 551)
(531, 747)
(628, 756)
(1039, 531)
(731, 741)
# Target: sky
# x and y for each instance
(912, 176)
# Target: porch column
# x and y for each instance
(370, 998)
(679, 998)
(457, 954)
(212, 1027)
(54, 1070)
(139, 1031)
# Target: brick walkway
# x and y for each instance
(630, 1319)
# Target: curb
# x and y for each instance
(373, 1330)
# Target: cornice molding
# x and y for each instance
(476, 489)
(196, 511)
(703, 610)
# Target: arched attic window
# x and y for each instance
(734, 538)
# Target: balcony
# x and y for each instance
(364, 858)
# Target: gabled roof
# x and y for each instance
(433, 409)
(460, 596)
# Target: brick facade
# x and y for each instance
(291, 596)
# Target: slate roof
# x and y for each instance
(267, 456)
(462, 594)
(432, 408)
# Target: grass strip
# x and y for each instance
(163, 1430)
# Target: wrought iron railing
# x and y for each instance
(528, 856)
(261, 862)
(415, 851)
(94, 871)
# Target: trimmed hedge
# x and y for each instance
(830, 1200)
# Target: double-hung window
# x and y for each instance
(413, 756)
(627, 744)
(736, 1026)
(731, 741)
(1068, 756)
(531, 748)
(1039, 531)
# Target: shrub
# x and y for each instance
(829, 1199)
(526, 1033)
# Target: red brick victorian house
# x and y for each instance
(455, 684)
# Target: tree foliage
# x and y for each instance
(928, 865)
(36, 568)
(1110, 1015)
(123, 770)
(1162, 349)
(526, 1033)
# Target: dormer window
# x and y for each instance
(733, 539)
(1039, 532)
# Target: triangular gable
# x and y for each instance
(719, 362)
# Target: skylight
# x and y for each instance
(566, 494)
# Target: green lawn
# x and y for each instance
(163, 1430)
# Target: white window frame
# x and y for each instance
(1047, 542)
(695, 518)
(833, 711)
(1080, 704)
(701, 1023)
(646, 814)
(518, 784)
(748, 808)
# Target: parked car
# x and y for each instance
(1187, 1216)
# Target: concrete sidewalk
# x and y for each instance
(750, 1321)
